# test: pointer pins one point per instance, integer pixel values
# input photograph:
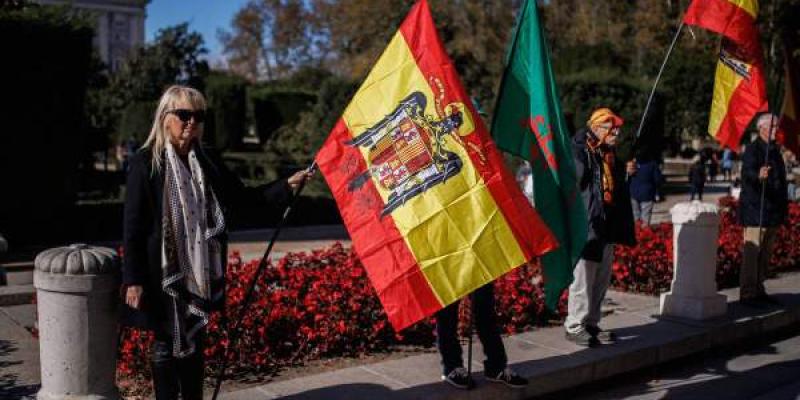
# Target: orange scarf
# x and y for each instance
(600, 116)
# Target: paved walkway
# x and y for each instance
(550, 362)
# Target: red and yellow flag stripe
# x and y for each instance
(740, 93)
(734, 19)
(455, 236)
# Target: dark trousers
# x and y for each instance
(485, 324)
(696, 190)
(172, 375)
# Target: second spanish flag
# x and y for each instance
(432, 212)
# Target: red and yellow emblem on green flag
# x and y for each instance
(431, 210)
(740, 90)
(528, 123)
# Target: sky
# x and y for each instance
(204, 16)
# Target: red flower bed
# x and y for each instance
(647, 268)
(317, 305)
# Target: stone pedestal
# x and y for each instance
(694, 287)
(77, 290)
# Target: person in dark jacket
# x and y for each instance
(644, 185)
(697, 178)
(178, 202)
(761, 221)
(601, 178)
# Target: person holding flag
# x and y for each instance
(431, 209)
(601, 179)
(761, 213)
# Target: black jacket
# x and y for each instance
(776, 199)
(607, 224)
(697, 175)
(143, 226)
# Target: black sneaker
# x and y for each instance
(604, 337)
(509, 378)
(581, 338)
(459, 378)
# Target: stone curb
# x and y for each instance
(16, 294)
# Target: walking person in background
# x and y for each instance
(644, 184)
(713, 165)
(761, 171)
(601, 179)
(175, 238)
(697, 178)
(727, 163)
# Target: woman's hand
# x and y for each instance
(298, 178)
(133, 296)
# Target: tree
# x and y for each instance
(271, 38)
(175, 57)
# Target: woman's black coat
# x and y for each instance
(143, 225)
(776, 197)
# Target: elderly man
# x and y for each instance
(601, 178)
(761, 171)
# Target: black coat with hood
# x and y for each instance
(608, 224)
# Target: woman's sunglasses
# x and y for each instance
(185, 115)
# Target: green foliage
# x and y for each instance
(585, 91)
(44, 77)
(137, 120)
(276, 107)
(227, 111)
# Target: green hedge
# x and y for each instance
(227, 111)
(274, 108)
(137, 120)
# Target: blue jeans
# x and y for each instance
(485, 324)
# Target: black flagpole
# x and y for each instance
(234, 333)
(469, 340)
(658, 79)
(772, 124)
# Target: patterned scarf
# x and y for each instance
(191, 252)
(607, 155)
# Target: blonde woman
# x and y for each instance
(177, 204)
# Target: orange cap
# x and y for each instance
(602, 115)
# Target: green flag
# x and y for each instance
(528, 123)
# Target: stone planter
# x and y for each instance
(77, 291)
(694, 285)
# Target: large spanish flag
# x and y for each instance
(740, 90)
(432, 212)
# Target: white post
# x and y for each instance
(76, 290)
(694, 286)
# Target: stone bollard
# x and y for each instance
(694, 286)
(77, 291)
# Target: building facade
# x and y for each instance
(120, 26)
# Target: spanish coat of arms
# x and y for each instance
(406, 150)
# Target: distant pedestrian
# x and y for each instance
(713, 166)
(644, 186)
(727, 163)
(697, 178)
(761, 171)
(601, 179)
